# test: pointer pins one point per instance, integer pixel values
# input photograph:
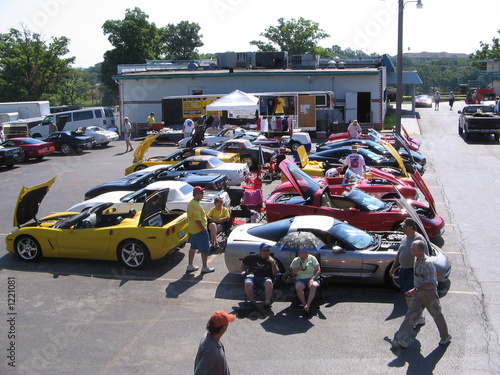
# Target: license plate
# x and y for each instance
(181, 234)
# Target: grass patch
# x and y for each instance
(390, 121)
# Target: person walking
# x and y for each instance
(437, 99)
(211, 355)
(405, 260)
(198, 232)
(354, 129)
(127, 133)
(451, 100)
(188, 126)
(425, 296)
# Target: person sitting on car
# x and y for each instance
(259, 270)
(217, 217)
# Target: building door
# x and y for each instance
(364, 105)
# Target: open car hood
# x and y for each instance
(304, 158)
(154, 205)
(397, 157)
(29, 201)
(305, 185)
(419, 181)
(411, 211)
(141, 150)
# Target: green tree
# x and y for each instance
(295, 36)
(181, 40)
(487, 51)
(31, 68)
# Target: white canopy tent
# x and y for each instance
(235, 101)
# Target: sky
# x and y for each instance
(454, 26)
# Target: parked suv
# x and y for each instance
(72, 120)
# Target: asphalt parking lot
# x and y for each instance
(89, 317)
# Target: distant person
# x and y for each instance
(151, 119)
(451, 100)
(198, 232)
(211, 356)
(217, 121)
(354, 129)
(425, 296)
(188, 126)
(356, 162)
(52, 127)
(437, 99)
(2, 135)
(127, 133)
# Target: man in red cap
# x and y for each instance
(211, 356)
(198, 232)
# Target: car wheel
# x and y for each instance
(38, 158)
(105, 144)
(497, 137)
(140, 167)
(393, 281)
(467, 135)
(79, 150)
(27, 248)
(248, 161)
(133, 254)
(460, 130)
(295, 146)
(65, 149)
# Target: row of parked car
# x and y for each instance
(17, 150)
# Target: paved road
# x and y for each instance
(85, 317)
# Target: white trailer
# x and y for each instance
(27, 109)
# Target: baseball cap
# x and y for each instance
(263, 245)
(221, 318)
(354, 148)
(198, 189)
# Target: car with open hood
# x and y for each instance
(353, 205)
(65, 141)
(140, 162)
(144, 177)
(179, 194)
(345, 253)
(101, 136)
(100, 233)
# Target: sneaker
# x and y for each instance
(207, 269)
(420, 321)
(191, 268)
(399, 344)
(445, 341)
(267, 306)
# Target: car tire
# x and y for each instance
(496, 137)
(79, 150)
(140, 167)
(105, 144)
(65, 149)
(38, 158)
(248, 160)
(294, 146)
(133, 254)
(460, 130)
(27, 248)
(393, 281)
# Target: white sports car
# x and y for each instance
(179, 195)
(101, 136)
(221, 136)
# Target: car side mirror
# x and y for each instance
(459, 112)
(353, 209)
(338, 250)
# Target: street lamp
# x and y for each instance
(399, 67)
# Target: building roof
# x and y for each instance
(409, 78)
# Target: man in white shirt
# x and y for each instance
(354, 129)
(188, 126)
(356, 162)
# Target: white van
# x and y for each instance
(72, 120)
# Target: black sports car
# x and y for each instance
(66, 141)
(10, 156)
(372, 146)
(144, 177)
(337, 156)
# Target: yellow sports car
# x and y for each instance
(97, 233)
(140, 163)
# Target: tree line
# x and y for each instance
(35, 69)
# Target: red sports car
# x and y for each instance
(354, 206)
(33, 148)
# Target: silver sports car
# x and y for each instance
(348, 252)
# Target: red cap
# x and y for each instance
(197, 189)
(221, 318)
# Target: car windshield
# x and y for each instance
(272, 231)
(356, 238)
(30, 141)
(367, 201)
(478, 109)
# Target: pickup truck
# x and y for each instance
(479, 119)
